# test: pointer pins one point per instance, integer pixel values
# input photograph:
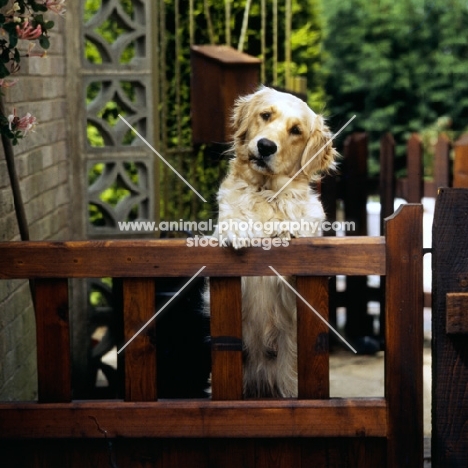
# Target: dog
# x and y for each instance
(279, 147)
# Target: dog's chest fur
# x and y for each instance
(239, 201)
(268, 305)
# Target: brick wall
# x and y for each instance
(43, 169)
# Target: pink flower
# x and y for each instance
(57, 6)
(22, 124)
(27, 32)
(7, 84)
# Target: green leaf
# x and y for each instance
(37, 6)
(5, 55)
(4, 72)
(44, 42)
(13, 39)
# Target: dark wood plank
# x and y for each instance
(460, 163)
(197, 418)
(53, 341)
(457, 313)
(226, 338)
(387, 177)
(355, 192)
(176, 453)
(442, 177)
(231, 453)
(312, 338)
(277, 453)
(195, 453)
(321, 256)
(355, 184)
(404, 337)
(140, 354)
(338, 452)
(414, 165)
(449, 352)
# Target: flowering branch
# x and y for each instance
(22, 21)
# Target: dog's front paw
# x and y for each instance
(286, 235)
(237, 240)
(237, 233)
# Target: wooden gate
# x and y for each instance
(450, 329)
(224, 431)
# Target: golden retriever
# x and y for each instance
(279, 146)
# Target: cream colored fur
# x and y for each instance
(293, 134)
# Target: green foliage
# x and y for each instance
(112, 195)
(429, 136)
(109, 30)
(22, 20)
(399, 66)
(205, 166)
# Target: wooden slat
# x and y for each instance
(355, 201)
(355, 452)
(442, 162)
(404, 337)
(387, 177)
(53, 340)
(362, 452)
(414, 166)
(449, 352)
(356, 154)
(323, 256)
(226, 338)
(460, 163)
(273, 418)
(277, 453)
(140, 354)
(231, 453)
(312, 338)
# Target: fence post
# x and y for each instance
(387, 177)
(414, 164)
(442, 162)
(358, 322)
(460, 165)
(404, 337)
(53, 340)
(313, 363)
(449, 351)
(226, 338)
(140, 355)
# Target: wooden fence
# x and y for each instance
(224, 431)
(353, 186)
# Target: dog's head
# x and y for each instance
(277, 134)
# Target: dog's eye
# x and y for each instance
(295, 130)
(265, 116)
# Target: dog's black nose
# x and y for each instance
(266, 147)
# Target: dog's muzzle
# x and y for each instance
(266, 147)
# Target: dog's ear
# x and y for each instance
(241, 115)
(239, 120)
(319, 154)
